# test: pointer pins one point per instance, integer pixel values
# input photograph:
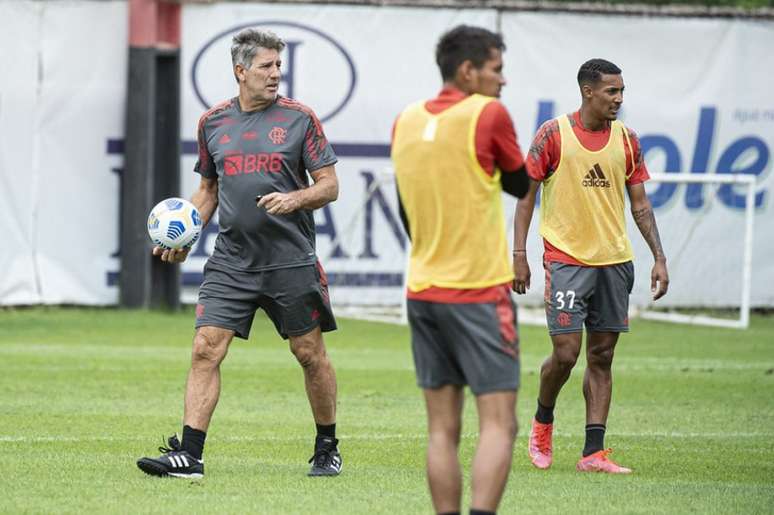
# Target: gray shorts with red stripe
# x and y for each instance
(475, 344)
(594, 296)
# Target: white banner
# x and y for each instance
(698, 93)
(62, 96)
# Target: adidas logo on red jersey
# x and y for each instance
(595, 178)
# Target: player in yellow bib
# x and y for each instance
(585, 162)
(454, 155)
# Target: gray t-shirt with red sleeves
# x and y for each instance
(256, 153)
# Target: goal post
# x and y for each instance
(745, 272)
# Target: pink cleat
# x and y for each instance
(540, 444)
(599, 462)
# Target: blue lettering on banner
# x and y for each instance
(673, 164)
(726, 165)
(328, 228)
(694, 197)
(289, 70)
(377, 196)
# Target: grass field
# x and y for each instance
(85, 392)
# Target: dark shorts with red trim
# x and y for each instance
(594, 296)
(295, 299)
(457, 344)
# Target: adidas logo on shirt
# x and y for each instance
(595, 178)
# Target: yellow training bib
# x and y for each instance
(454, 208)
(582, 202)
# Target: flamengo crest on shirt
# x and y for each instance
(277, 135)
(595, 178)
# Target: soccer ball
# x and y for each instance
(174, 224)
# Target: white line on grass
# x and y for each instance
(349, 358)
(379, 436)
(352, 359)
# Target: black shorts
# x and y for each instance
(475, 344)
(295, 299)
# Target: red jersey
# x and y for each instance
(546, 150)
(496, 147)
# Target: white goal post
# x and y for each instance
(745, 275)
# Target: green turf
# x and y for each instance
(85, 392)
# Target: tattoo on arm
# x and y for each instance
(646, 222)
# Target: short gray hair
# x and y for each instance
(246, 43)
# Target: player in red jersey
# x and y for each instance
(585, 161)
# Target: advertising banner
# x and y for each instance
(698, 94)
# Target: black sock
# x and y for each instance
(449, 513)
(595, 439)
(329, 431)
(193, 441)
(481, 512)
(544, 414)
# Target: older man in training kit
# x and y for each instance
(255, 152)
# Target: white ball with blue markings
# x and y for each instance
(174, 224)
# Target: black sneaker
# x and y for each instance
(174, 461)
(326, 460)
